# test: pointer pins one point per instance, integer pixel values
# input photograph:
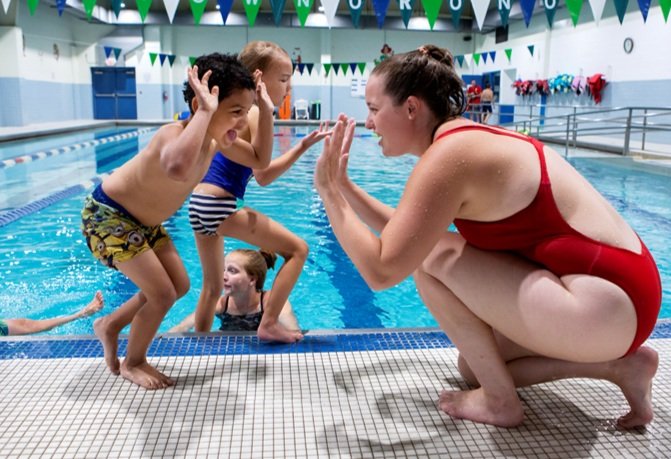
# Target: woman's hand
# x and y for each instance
(206, 99)
(333, 159)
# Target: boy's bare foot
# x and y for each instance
(110, 341)
(278, 332)
(144, 375)
(94, 306)
(635, 380)
(476, 406)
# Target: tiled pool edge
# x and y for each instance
(190, 344)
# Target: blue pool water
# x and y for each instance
(46, 270)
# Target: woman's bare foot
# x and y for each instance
(476, 406)
(278, 332)
(94, 306)
(635, 379)
(110, 341)
(144, 375)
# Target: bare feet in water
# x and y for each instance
(278, 332)
(144, 375)
(110, 341)
(634, 377)
(475, 405)
(94, 306)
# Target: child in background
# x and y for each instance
(122, 218)
(215, 209)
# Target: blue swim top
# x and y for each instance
(229, 175)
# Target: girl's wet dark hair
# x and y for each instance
(227, 73)
(258, 264)
(427, 73)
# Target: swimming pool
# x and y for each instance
(46, 270)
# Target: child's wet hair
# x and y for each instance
(258, 55)
(258, 263)
(427, 73)
(227, 73)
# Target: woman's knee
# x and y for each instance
(163, 298)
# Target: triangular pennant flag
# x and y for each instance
(327, 68)
(527, 10)
(171, 8)
(455, 7)
(162, 57)
(336, 68)
(32, 6)
(5, 5)
(509, 53)
(198, 8)
(460, 59)
(431, 8)
(406, 6)
(468, 59)
(152, 58)
(116, 7)
(344, 68)
(597, 7)
(621, 8)
(88, 7)
(143, 8)
(303, 8)
(224, 8)
(117, 53)
(492, 54)
(504, 11)
(301, 68)
(330, 7)
(108, 50)
(666, 7)
(484, 57)
(60, 6)
(574, 7)
(361, 66)
(355, 8)
(480, 11)
(294, 66)
(380, 7)
(476, 58)
(550, 10)
(171, 59)
(310, 66)
(644, 5)
(277, 6)
(192, 60)
(352, 67)
(531, 49)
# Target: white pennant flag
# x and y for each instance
(330, 8)
(468, 60)
(597, 9)
(5, 5)
(480, 11)
(171, 8)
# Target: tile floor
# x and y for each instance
(351, 395)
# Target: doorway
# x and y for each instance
(114, 95)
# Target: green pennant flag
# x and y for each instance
(666, 6)
(192, 60)
(362, 65)
(476, 58)
(531, 48)
(303, 8)
(32, 6)
(621, 9)
(117, 53)
(197, 9)
(431, 7)
(509, 52)
(251, 10)
(405, 6)
(460, 59)
(88, 7)
(327, 68)
(344, 67)
(143, 8)
(574, 7)
(504, 11)
(152, 57)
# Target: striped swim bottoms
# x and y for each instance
(206, 212)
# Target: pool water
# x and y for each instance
(46, 270)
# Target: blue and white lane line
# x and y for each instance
(68, 148)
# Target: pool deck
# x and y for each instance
(366, 394)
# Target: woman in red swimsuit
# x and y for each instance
(544, 280)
